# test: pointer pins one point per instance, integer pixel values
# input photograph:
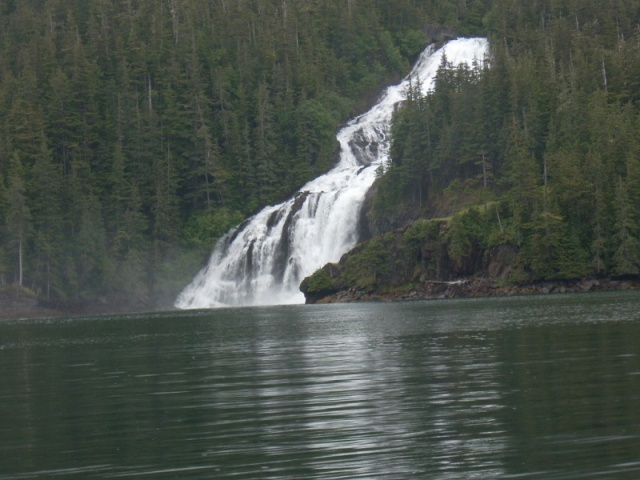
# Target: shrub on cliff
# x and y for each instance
(318, 285)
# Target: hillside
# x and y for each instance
(535, 153)
(135, 133)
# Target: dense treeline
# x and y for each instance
(542, 137)
(133, 133)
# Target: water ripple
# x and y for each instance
(368, 391)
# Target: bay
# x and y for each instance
(538, 387)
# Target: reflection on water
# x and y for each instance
(525, 387)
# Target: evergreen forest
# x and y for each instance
(134, 133)
(537, 150)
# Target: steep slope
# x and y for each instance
(265, 259)
(536, 156)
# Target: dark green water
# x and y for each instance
(527, 387)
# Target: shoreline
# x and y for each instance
(25, 307)
(477, 288)
(20, 303)
(44, 313)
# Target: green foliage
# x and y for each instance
(626, 257)
(467, 239)
(410, 42)
(130, 130)
(418, 231)
(367, 267)
(552, 252)
(141, 128)
(424, 247)
(205, 228)
(319, 283)
(544, 136)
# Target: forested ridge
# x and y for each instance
(133, 133)
(525, 168)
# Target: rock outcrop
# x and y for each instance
(478, 287)
(430, 259)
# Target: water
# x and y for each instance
(541, 387)
(264, 261)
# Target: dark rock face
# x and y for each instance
(366, 227)
(364, 149)
(438, 34)
(282, 253)
(500, 261)
(372, 224)
(320, 285)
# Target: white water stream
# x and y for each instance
(263, 261)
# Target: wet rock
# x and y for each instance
(588, 285)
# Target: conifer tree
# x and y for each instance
(627, 255)
(18, 224)
(45, 194)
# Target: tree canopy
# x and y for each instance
(543, 136)
(134, 132)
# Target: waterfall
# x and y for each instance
(263, 261)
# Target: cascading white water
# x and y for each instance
(263, 261)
